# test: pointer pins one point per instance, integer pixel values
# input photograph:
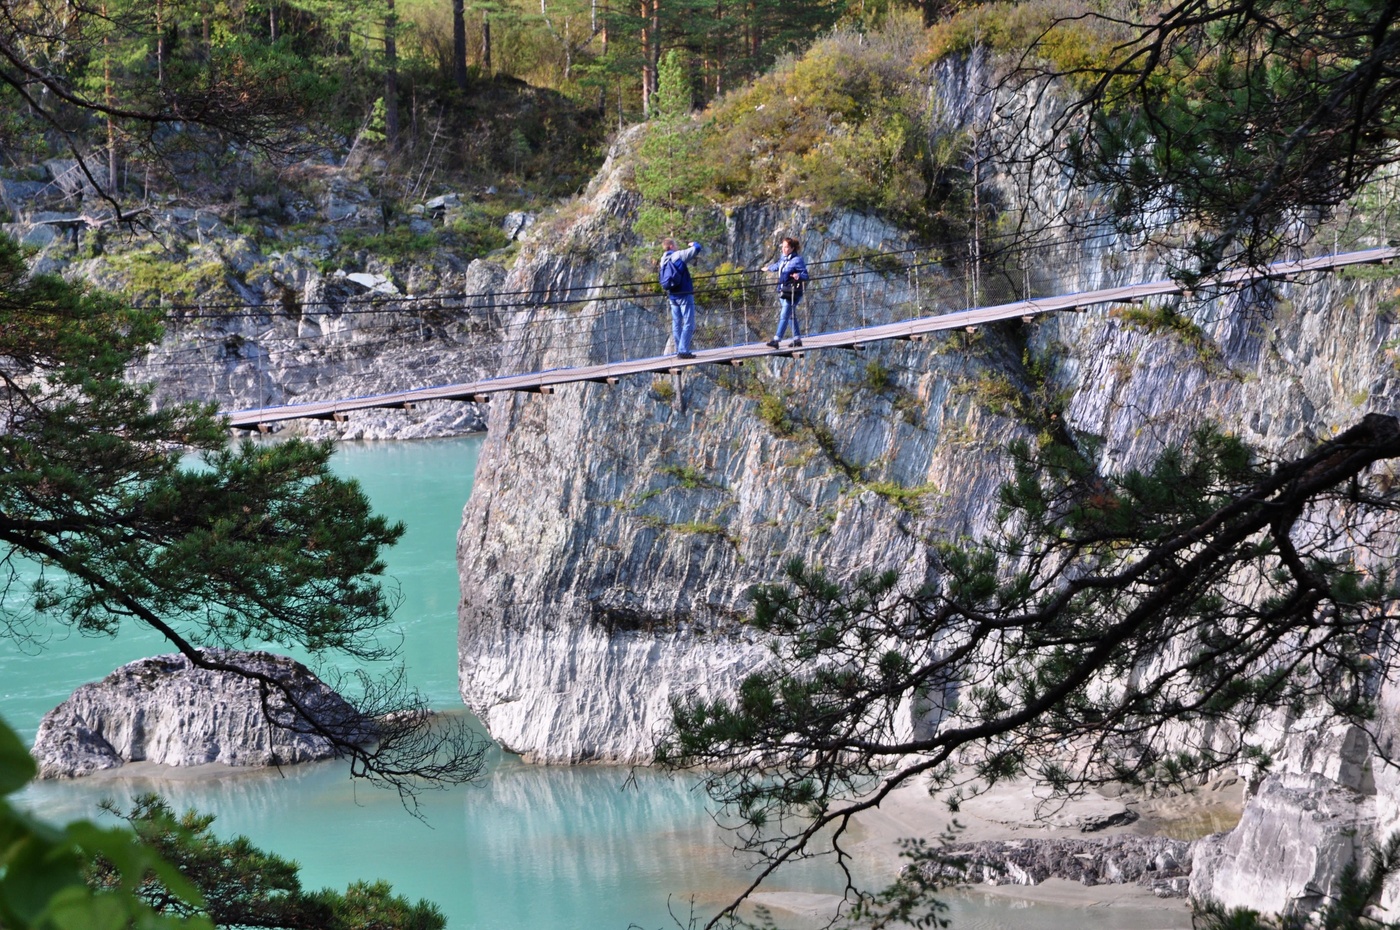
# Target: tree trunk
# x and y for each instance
(651, 50)
(459, 44)
(391, 77)
(160, 44)
(485, 43)
(755, 39)
(600, 28)
(108, 99)
(716, 60)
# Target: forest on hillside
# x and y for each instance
(1252, 123)
(460, 86)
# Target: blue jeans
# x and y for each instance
(788, 316)
(682, 320)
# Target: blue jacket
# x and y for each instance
(683, 285)
(786, 268)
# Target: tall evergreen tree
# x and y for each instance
(67, 64)
(670, 172)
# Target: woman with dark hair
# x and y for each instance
(792, 275)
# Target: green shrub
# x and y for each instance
(1066, 34)
(844, 126)
(663, 390)
(878, 378)
(772, 409)
(728, 282)
(1166, 318)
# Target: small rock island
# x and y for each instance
(166, 710)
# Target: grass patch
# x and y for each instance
(688, 477)
(690, 528)
(147, 275)
(878, 378)
(1167, 319)
(906, 499)
(846, 125)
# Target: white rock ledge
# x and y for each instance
(166, 711)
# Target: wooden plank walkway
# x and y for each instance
(544, 382)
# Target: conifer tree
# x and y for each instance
(244, 886)
(1130, 628)
(670, 172)
(1247, 125)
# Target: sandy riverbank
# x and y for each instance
(1017, 811)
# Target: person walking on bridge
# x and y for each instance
(792, 277)
(680, 293)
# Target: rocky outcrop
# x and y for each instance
(614, 532)
(1331, 799)
(267, 318)
(1297, 835)
(1158, 862)
(167, 711)
(306, 336)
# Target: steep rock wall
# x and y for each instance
(613, 532)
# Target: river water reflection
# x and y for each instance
(526, 847)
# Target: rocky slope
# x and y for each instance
(260, 310)
(1158, 862)
(164, 710)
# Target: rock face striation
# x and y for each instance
(165, 710)
(608, 549)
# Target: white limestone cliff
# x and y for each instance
(613, 532)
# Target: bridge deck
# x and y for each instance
(545, 381)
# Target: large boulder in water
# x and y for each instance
(166, 710)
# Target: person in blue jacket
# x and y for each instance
(680, 293)
(792, 277)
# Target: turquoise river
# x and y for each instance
(525, 847)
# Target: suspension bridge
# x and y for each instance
(544, 382)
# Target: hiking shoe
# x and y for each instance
(685, 355)
(772, 343)
(797, 343)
